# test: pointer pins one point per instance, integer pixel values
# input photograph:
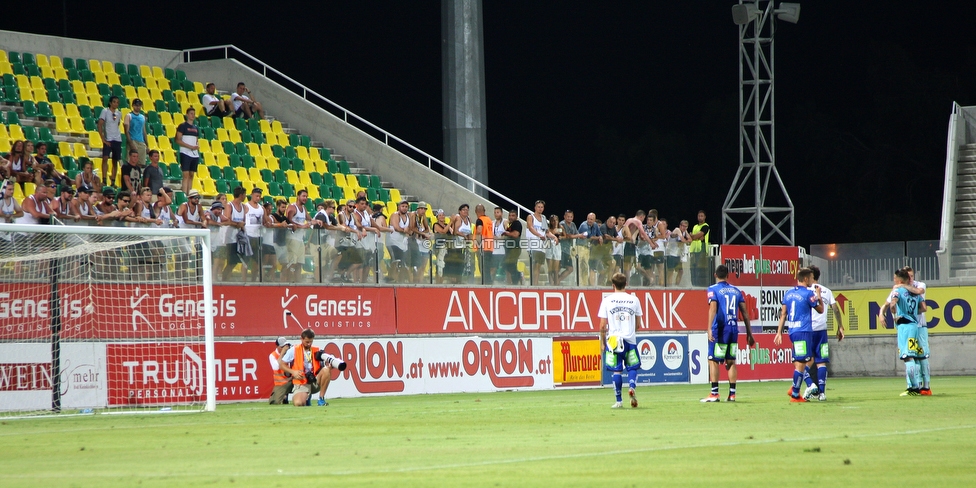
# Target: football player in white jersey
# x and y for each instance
(620, 317)
(821, 351)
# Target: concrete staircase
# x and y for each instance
(963, 259)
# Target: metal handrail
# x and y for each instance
(346, 114)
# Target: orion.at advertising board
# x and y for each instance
(439, 365)
(528, 310)
(663, 359)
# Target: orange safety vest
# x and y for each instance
(299, 363)
(487, 233)
(279, 374)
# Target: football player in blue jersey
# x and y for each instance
(724, 304)
(905, 309)
(798, 303)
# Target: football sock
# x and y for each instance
(731, 389)
(715, 388)
(632, 378)
(923, 369)
(806, 376)
(911, 374)
(822, 378)
(797, 380)
(618, 381)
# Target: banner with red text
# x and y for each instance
(761, 265)
(765, 361)
(537, 311)
(26, 378)
(576, 361)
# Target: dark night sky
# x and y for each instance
(614, 106)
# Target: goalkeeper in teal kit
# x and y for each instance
(905, 309)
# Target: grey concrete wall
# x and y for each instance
(409, 176)
(78, 48)
(952, 354)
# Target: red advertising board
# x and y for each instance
(288, 310)
(765, 361)
(761, 265)
(535, 311)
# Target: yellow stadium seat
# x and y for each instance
(71, 110)
(5, 145)
(79, 86)
(209, 187)
(46, 72)
(351, 180)
(209, 159)
(103, 78)
(55, 62)
(276, 127)
(16, 133)
(198, 87)
(41, 60)
(111, 78)
(265, 126)
(204, 146)
(254, 174)
(95, 66)
(57, 162)
(143, 93)
(283, 140)
(170, 130)
(178, 119)
(64, 148)
(292, 176)
(321, 166)
(18, 193)
(348, 193)
(164, 141)
(130, 92)
(229, 122)
(23, 82)
(162, 84)
(58, 109)
(157, 72)
(83, 99)
(79, 150)
(145, 71)
(222, 135)
(27, 94)
(3, 56)
(241, 174)
(222, 160)
(60, 73)
(107, 66)
(395, 195)
(266, 150)
(5, 68)
(260, 162)
(391, 207)
(3, 132)
(151, 142)
(155, 94)
(37, 84)
(302, 153)
(62, 124)
(168, 155)
(165, 118)
(203, 173)
(313, 192)
(94, 140)
(235, 135)
(180, 96)
(253, 149)
(273, 164)
(152, 84)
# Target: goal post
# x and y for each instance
(105, 319)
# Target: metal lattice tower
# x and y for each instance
(758, 209)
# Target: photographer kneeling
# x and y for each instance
(310, 369)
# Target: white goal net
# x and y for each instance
(104, 319)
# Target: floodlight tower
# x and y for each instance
(754, 212)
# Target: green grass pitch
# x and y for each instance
(864, 435)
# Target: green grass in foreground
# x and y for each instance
(865, 434)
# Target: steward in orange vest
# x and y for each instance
(310, 369)
(282, 381)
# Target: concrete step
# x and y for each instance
(964, 247)
(965, 206)
(963, 273)
(964, 233)
(964, 147)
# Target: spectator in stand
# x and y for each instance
(61, 206)
(368, 234)
(421, 243)
(443, 233)
(269, 264)
(616, 242)
(16, 164)
(458, 261)
(189, 214)
(87, 177)
(535, 240)
(43, 167)
(108, 129)
(326, 225)
(146, 259)
(496, 259)
(244, 103)
(699, 252)
(657, 230)
(484, 240)
(401, 223)
(135, 131)
(10, 209)
(162, 209)
(678, 241)
(36, 207)
(291, 271)
(124, 215)
(82, 207)
(379, 222)
(554, 250)
(568, 242)
(252, 228)
(214, 220)
(152, 175)
(237, 216)
(350, 259)
(132, 172)
(213, 105)
(513, 247)
(104, 201)
(186, 138)
(591, 239)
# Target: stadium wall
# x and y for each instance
(878, 356)
(79, 48)
(411, 177)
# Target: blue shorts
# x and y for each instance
(821, 351)
(725, 345)
(615, 361)
(923, 341)
(802, 346)
(908, 347)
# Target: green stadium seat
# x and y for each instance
(208, 133)
(241, 124)
(14, 57)
(173, 107)
(294, 140)
(384, 194)
(64, 85)
(202, 122)
(32, 70)
(97, 111)
(258, 137)
(279, 176)
(247, 162)
(119, 69)
(297, 164)
(267, 175)
(363, 182)
(152, 117)
(254, 125)
(89, 124)
(30, 133)
(69, 163)
(180, 75)
(13, 118)
(234, 159)
(168, 95)
(372, 194)
(30, 110)
(333, 166)
(68, 63)
(216, 122)
(28, 59)
(73, 75)
(222, 186)
(325, 154)
(306, 141)
(374, 182)
(240, 149)
(289, 151)
(413, 206)
(45, 135)
(268, 199)
(287, 190)
(229, 173)
(86, 76)
(169, 74)
(316, 178)
(160, 106)
(84, 110)
(179, 198)
(337, 194)
(175, 173)
(50, 84)
(246, 137)
(81, 65)
(274, 188)
(344, 167)
(132, 70)
(215, 173)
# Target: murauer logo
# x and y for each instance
(573, 363)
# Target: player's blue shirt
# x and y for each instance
(728, 299)
(799, 302)
(907, 307)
